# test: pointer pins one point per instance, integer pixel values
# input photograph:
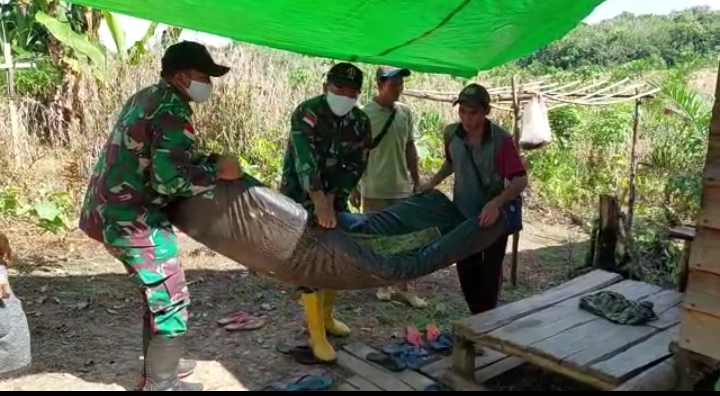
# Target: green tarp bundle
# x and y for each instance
(457, 37)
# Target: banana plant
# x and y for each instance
(82, 48)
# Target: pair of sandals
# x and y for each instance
(401, 357)
(433, 339)
(241, 321)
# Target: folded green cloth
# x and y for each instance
(398, 244)
(618, 309)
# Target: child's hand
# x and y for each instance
(5, 251)
(4, 283)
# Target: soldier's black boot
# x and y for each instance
(186, 367)
(162, 359)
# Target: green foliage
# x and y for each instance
(81, 45)
(51, 211)
(635, 42)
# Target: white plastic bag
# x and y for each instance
(535, 132)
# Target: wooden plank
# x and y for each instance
(497, 369)
(682, 232)
(345, 387)
(415, 380)
(596, 341)
(703, 293)
(712, 161)
(668, 307)
(472, 327)
(362, 384)
(660, 378)
(563, 316)
(705, 250)
(709, 215)
(548, 364)
(699, 334)
(632, 362)
(380, 378)
(492, 365)
(437, 369)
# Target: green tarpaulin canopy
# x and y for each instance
(458, 37)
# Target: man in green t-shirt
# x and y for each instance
(392, 172)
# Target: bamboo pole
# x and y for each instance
(516, 135)
(633, 166)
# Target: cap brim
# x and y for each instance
(396, 73)
(217, 70)
(470, 102)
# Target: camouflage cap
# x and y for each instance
(384, 72)
(191, 55)
(345, 75)
(474, 95)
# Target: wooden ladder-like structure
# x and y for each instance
(699, 340)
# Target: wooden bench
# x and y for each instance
(686, 234)
(550, 331)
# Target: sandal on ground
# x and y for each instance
(241, 321)
(388, 362)
(305, 383)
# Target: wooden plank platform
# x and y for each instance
(367, 376)
(549, 330)
(487, 367)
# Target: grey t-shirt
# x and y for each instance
(14, 336)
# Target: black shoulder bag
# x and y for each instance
(375, 142)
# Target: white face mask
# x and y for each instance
(199, 92)
(340, 105)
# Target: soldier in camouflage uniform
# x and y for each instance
(326, 156)
(146, 163)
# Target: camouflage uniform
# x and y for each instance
(325, 153)
(328, 153)
(147, 162)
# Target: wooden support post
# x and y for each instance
(463, 358)
(516, 135)
(633, 167)
(607, 238)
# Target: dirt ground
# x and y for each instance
(85, 315)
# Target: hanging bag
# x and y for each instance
(535, 132)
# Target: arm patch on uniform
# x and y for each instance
(310, 120)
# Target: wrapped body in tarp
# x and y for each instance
(269, 233)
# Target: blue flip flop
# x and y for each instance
(443, 343)
(308, 383)
(433, 388)
(413, 357)
(389, 362)
(305, 383)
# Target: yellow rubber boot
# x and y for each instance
(313, 303)
(332, 325)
